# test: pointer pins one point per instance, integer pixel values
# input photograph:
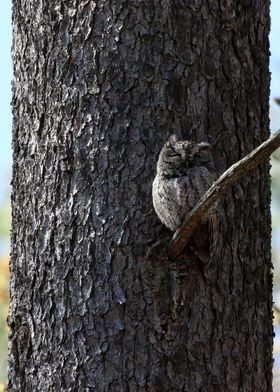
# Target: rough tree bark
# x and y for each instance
(98, 88)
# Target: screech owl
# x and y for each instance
(185, 171)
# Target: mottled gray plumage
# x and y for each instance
(185, 171)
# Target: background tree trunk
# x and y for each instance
(98, 89)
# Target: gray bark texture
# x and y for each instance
(95, 304)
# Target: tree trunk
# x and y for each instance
(98, 89)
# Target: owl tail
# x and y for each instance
(205, 238)
(213, 223)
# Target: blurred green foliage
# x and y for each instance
(5, 219)
(275, 209)
(275, 176)
(5, 223)
(4, 298)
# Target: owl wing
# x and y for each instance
(167, 193)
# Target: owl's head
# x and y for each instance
(177, 156)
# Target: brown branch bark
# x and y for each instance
(182, 236)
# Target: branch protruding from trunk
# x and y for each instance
(231, 176)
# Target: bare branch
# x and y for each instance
(182, 236)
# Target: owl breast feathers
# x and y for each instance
(185, 171)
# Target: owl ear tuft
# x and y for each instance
(172, 140)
